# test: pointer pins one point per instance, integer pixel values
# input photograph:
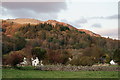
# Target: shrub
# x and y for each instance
(107, 58)
(38, 52)
(87, 61)
(57, 56)
(12, 43)
(116, 56)
(63, 28)
(83, 61)
(14, 58)
(93, 51)
(75, 62)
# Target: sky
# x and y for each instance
(100, 17)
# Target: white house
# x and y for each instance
(41, 63)
(113, 63)
(70, 59)
(24, 62)
(35, 62)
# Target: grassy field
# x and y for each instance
(14, 73)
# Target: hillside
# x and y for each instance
(23, 21)
(90, 33)
(59, 39)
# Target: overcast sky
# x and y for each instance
(98, 16)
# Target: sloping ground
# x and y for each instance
(52, 22)
(24, 21)
(90, 33)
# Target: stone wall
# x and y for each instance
(77, 68)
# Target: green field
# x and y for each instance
(14, 73)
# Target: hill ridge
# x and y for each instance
(52, 22)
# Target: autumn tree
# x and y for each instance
(38, 52)
(58, 56)
(93, 51)
(12, 43)
(83, 61)
(116, 56)
(14, 58)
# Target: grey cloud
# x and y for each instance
(112, 33)
(49, 16)
(81, 21)
(96, 18)
(19, 13)
(64, 20)
(116, 16)
(112, 17)
(77, 23)
(97, 25)
(73, 23)
(41, 10)
(31, 14)
(42, 7)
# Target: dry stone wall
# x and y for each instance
(77, 68)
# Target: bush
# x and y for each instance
(107, 58)
(14, 43)
(83, 61)
(116, 56)
(93, 51)
(63, 28)
(38, 52)
(75, 62)
(87, 61)
(57, 56)
(14, 58)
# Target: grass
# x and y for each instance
(15, 73)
